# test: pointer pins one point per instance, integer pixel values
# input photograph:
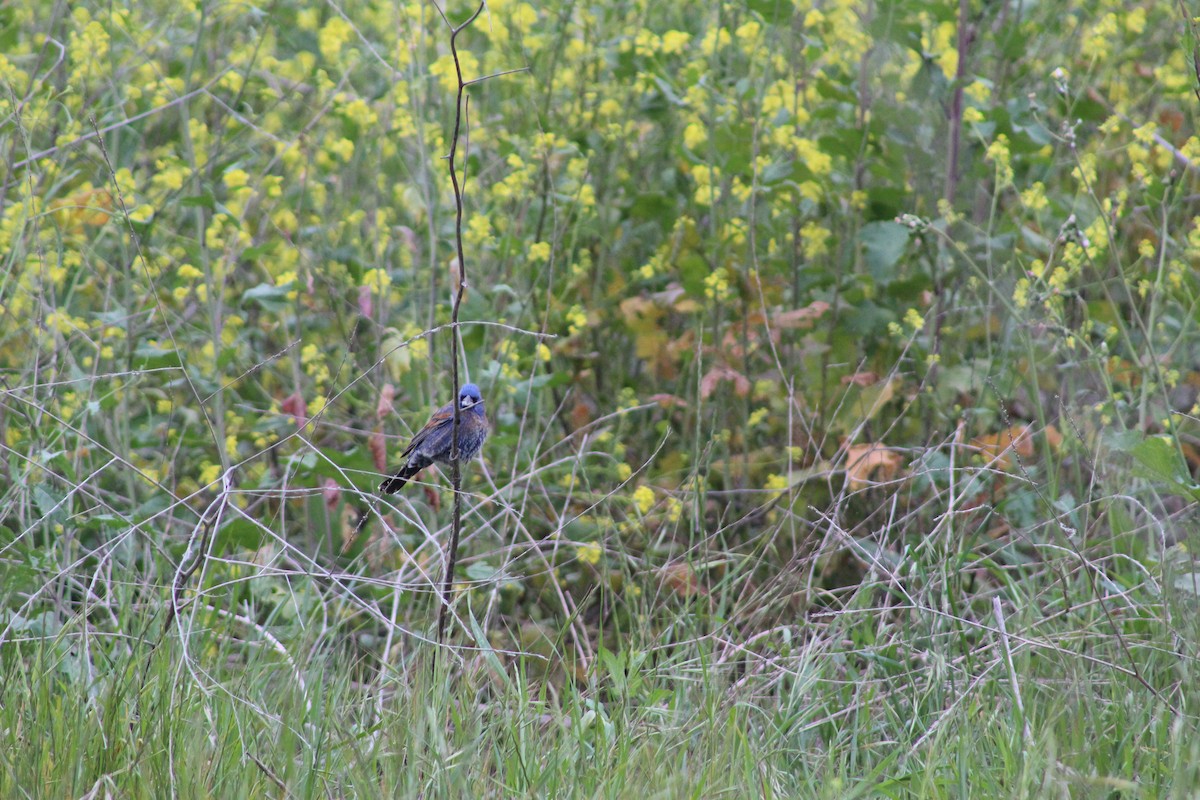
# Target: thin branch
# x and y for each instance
(460, 109)
(965, 35)
(500, 74)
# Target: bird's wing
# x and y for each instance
(441, 418)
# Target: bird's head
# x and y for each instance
(469, 396)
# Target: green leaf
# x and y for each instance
(49, 504)
(481, 571)
(238, 533)
(1158, 457)
(883, 245)
(154, 357)
(205, 200)
(268, 295)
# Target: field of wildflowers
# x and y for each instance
(841, 358)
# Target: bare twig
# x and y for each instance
(455, 467)
(965, 35)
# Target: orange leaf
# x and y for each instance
(863, 461)
(378, 447)
(583, 411)
(861, 379)
(998, 447)
(432, 497)
(801, 317)
(1053, 437)
(332, 493)
(708, 384)
(667, 400)
(681, 579)
(294, 406)
(86, 207)
(384, 406)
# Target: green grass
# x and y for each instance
(869, 704)
(821, 465)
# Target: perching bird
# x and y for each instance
(432, 443)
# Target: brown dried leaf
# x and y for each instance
(861, 379)
(433, 498)
(582, 412)
(332, 494)
(708, 384)
(667, 400)
(801, 317)
(378, 447)
(384, 405)
(679, 577)
(997, 448)
(1053, 437)
(294, 406)
(868, 462)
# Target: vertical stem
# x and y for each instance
(455, 467)
(956, 105)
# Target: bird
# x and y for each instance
(432, 443)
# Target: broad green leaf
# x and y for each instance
(883, 245)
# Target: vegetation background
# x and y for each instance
(841, 358)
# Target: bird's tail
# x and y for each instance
(397, 481)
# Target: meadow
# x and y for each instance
(841, 358)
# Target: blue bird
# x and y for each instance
(432, 443)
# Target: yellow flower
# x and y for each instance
(814, 240)
(142, 213)
(209, 473)
(576, 320)
(715, 39)
(1021, 293)
(523, 17)
(342, 148)
(1135, 20)
(1145, 133)
(643, 498)
(674, 41)
(333, 37)
(716, 286)
(818, 163)
(443, 69)
(235, 178)
(189, 272)
(749, 35)
(377, 280)
(998, 153)
(1034, 197)
(588, 552)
